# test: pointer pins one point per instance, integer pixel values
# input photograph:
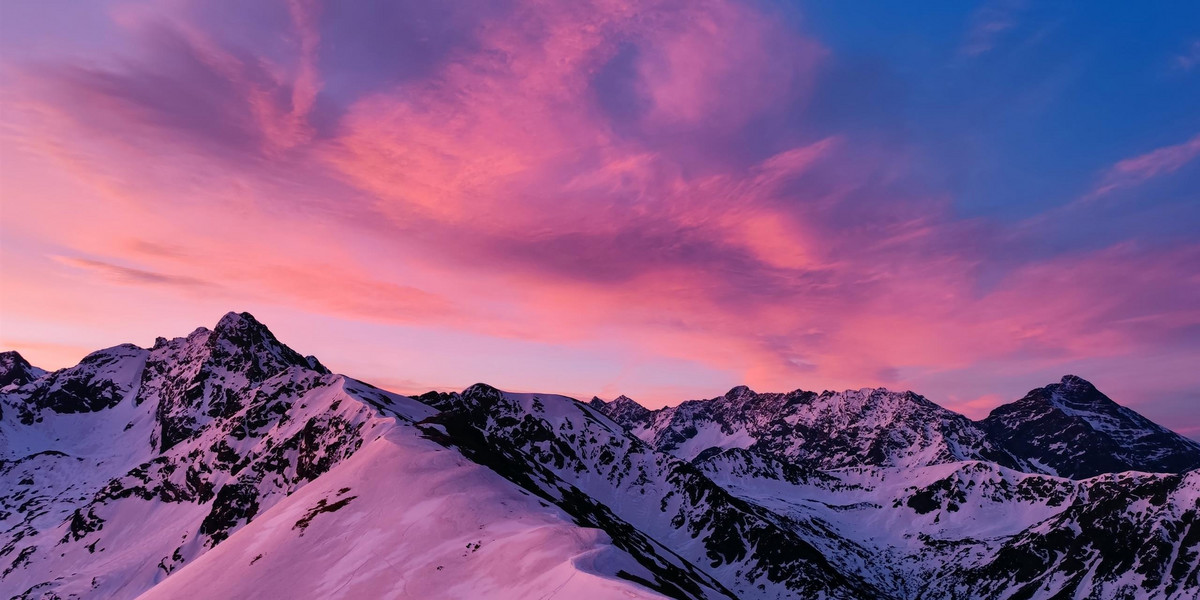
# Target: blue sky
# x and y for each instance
(1025, 102)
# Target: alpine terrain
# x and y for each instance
(224, 464)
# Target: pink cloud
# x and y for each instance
(1139, 169)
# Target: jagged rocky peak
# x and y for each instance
(243, 327)
(1071, 392)
(245, 332)
(482, 395)
(101, 380)
(1077, 431)
(316, 365)
(740, 392)
(878, 398)
(870, 426)
(623, 410)
(1075, 381)
(238, 343)
(12, 361)
(14, 369)
(624, 400)
(209, 374)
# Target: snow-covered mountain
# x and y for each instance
(1071, 429)
(587, 464)
(977, 530)
(829, 430)
(120, 473)
(224, 464)
(14, 369)
(1068, 429)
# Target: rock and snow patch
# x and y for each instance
(424, 523)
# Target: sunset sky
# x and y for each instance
(662, 199)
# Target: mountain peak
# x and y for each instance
(247, 334)
(239, 322)
(1074, 393)
(482, 394)
(619, 401)
(15, 369)
(1076, 384)
(11, 359)
(622, 409)
(1077, 431)
(739, 391)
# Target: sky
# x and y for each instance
(662, 199)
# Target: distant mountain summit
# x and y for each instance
(1068, 429)
(827, 430)
(1072, 429)
(15, 370)
(622, 409)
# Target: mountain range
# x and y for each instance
(224, 464)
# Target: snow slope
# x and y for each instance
(954, 530)
(406, 518)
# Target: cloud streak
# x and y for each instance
(132, 275)
(988, 24)
(1140, 169)
(1189, 58)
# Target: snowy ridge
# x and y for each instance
(830, 430)
(404, 517)
(749, 552)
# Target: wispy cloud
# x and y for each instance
(131, 275)
(1139, 169)
(1189, 58)
(988, 24)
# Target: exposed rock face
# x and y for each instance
(15, 370)
(622, 409)
(752, 552)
